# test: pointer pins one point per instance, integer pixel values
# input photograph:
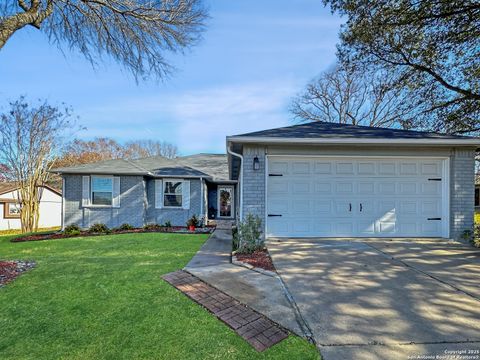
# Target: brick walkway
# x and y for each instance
(256, 329)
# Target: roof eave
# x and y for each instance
(352, 141)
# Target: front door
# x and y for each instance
(225, 201)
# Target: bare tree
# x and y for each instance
(135, 33)
(351, 96)
(29, 139)
(146, 148)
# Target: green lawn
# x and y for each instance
(102, 298)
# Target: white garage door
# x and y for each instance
(387, 197)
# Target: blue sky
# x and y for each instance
(254, 57)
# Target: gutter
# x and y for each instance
(229, 150)
(353, 141)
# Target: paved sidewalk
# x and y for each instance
(215, 251)
(260, 292)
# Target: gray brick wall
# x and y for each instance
(178, 217)
(131, 211)
(254, 182)
(462, 190)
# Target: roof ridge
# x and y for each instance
(130, 161)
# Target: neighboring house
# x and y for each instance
(150, 190)
(310, 180)
(50, 207)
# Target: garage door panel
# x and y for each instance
(339, 197)
(300, 168)
(366, 228)
(366, 188)
(408, 168)
(344, 187)
(366, 168)
(431, 168)
(324, 188)
(323, 167)
(323, 207)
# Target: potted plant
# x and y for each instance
(192, 223)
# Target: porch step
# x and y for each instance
(221, 223)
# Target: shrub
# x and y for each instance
(193, 221)
(168, 224)
(249, 235)
(235, 238)
(99, 229)
(476, 236)
(152, 227)
(125, 227)
(73, 229)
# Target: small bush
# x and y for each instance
(73, 229)
(152, 227)
(125, 227)
(168, 224)
(99, 229)
(249, 235)
(193, 221)
(476, 236)
(235, 238)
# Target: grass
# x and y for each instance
(102, 298)
(17, 232)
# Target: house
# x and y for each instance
(310, 180)
(50, 207)
(149, 190)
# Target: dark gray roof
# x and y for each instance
(320, 129)
(214, 166)
(115, 166)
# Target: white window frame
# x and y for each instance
(232, 206)
(165, 181)
(91, 190)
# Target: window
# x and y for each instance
(12, 211)
(172, 194)
(477, 197)
(102, 190)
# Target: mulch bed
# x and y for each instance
(9, 270)
(259, 258)
(59, 235)
(258, 330)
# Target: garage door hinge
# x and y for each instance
(434, 219)
(275, 174)
(435, 179)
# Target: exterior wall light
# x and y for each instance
(256, 163)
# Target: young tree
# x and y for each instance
(136, 33)
(351, 95)
(432, 48)
(30, 136)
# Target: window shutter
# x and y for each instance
(85, 191)
(158, 194)
(116, 192)
(186, 194)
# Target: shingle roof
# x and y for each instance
(320, 129)
(8, 186)
(214, 166)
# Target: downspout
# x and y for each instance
(229, 150)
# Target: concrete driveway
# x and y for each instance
(385, 299)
